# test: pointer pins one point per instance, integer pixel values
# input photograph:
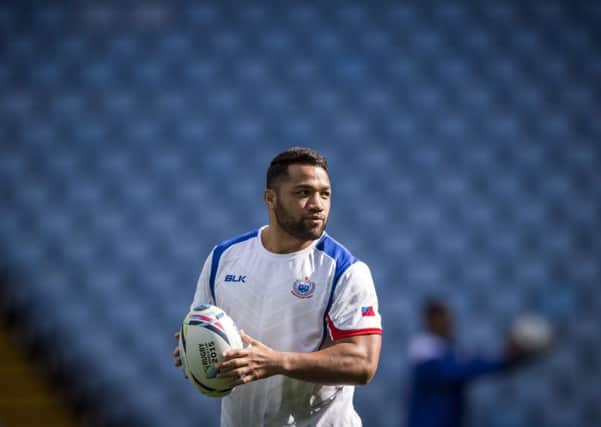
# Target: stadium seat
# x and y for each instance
(464, 156)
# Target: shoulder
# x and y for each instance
(340, 255)
(226, 244)
(337, 252)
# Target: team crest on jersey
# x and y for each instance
(303, 288)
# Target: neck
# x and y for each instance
(276, 240)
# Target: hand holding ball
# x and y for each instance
(207, 332)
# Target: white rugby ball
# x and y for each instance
(207, 331)
(532, 333)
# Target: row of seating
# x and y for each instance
(462, 141)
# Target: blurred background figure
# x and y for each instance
(441, 372)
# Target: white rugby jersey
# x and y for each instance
(293, 302)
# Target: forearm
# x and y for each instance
(352, 360)
(344, 363)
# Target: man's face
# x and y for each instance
(302, 201)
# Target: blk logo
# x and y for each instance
(234, 278)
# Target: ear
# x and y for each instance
(269, 196)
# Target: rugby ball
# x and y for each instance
(532, 333)
(206, 332)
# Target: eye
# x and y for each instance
(303, 193)
(325, 194)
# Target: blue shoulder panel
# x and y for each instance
(219, 250)
(343, 259)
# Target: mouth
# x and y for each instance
(315, 221)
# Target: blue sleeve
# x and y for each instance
(451, 371)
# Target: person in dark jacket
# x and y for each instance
(441, 375)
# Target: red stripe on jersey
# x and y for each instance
(338, 334)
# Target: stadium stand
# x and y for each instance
(464, 146)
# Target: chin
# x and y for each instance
(305, 232)
(317, 232)
(310, 234)
(315, 236)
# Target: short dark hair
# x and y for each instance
(433, 306)
(278, 167)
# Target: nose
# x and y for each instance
(315, 203)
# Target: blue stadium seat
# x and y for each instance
(463, 149)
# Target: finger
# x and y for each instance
(230, 364)
(239, 375)
(176, 335)
(239, 381)
(176, 352)
(177, 363)
(234, 354)
(242, 379)
(232, 373)
(247, 339)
